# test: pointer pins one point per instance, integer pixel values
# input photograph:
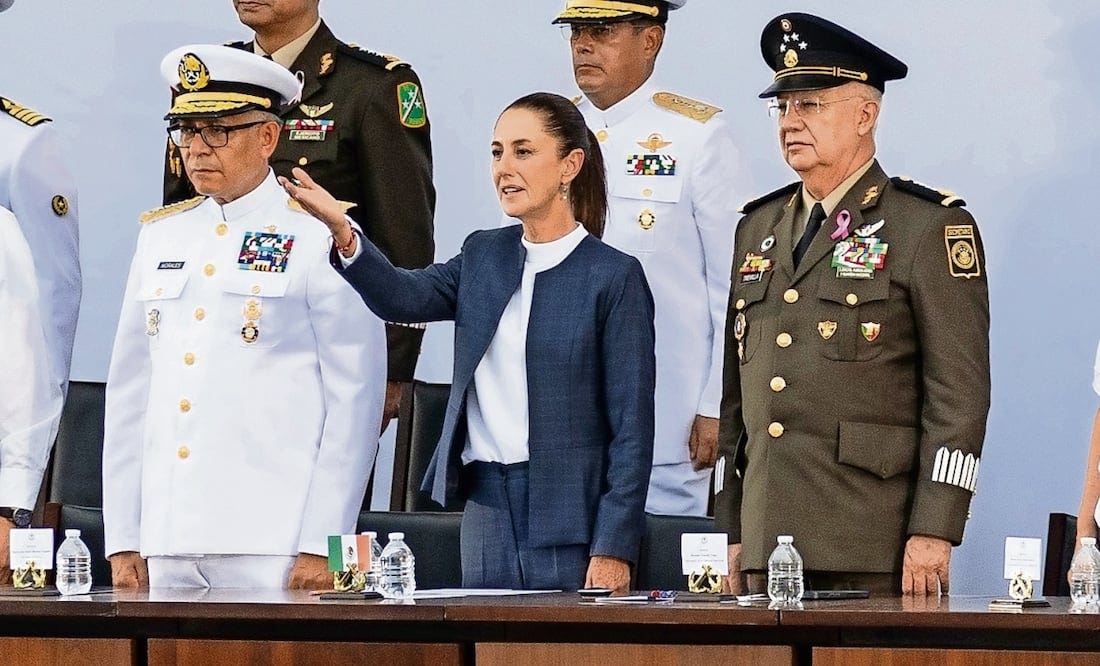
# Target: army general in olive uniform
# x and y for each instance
(856, 381)
(361, 131)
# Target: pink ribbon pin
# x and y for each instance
(843, 219)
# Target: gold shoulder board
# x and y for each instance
(686, 106)
(22, 113)
(169, 210)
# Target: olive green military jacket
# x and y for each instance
(362, 132)
(855, 387)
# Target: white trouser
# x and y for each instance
(678, 490)
(220, 571)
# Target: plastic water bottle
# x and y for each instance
(74, 565)
(373, 577)
(398, 568)
(785, 573)
(1084, 575)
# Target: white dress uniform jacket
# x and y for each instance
(37, 188)
(673, 183)
(30, 401)
(243, 404)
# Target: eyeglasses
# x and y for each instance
(597, 32)
(802, 107)
(215, 136)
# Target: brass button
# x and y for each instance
(647, 192)
(775, 430)
(255, 289)
(222, 229)
(851, 299)
(303, 161)
(784, 340)
(778, 384)
(185, 405)
(601, 135)
(791, 295)
(200, 314)
(183, 452)
(740, 304)
(208, 269)
(158, 292)
(189, 359)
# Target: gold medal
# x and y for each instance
(250, 332)
(646, 219)
(253, 310)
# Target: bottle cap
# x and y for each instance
(72, 533)
(373, 535)
(397, 535)
(784, 538)
(1088, 541)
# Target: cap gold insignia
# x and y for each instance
(646, 219)
(869, 195)
(786, 25)
(870, 330)
(654, 143)
(193, 73)
(60, 205)
(962, 256)
(326, 64)
(826, 329)
(791, 59)
(315, 111)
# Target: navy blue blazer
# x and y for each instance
(590, 376)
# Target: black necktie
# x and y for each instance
(817, 216)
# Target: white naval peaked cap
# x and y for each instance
(210, 80)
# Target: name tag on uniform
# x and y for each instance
(650, 165)
(170, 265)
(265, 252)
(308, 129)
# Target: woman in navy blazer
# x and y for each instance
(548, 434)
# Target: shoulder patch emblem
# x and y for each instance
(962, 251)
(410, 105)
(170, 210)
(22, 113)
(686, 106)
(749, 206)
(945, 198)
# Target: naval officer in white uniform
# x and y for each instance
(39, 300)
(245, 392)
(674, 182)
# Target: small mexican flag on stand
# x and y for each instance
(349, 549)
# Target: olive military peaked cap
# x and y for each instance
(611, 11)
(210, 81)
(810, 53)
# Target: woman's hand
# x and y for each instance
(317, 202)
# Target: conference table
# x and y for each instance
(169, 627)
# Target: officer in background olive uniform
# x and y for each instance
(362, 132)
(856, 383)
(39, 301)
(673, 182)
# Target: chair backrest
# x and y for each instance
(76, 473)
(659, 566)
(420, 423)
(1061, 542)
(433, 538)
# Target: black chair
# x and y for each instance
(420, 422)
(1061, 542)
(659, 566)
(433, 538)
(76, 479)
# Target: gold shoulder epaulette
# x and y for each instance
(22, 113)
(171, 209)
(945, 198)
(576, 100)
(387, 61)
(686, 106)
(293, 204)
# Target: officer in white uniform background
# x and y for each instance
(39, 300)
(244, 396)
(672, 177)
